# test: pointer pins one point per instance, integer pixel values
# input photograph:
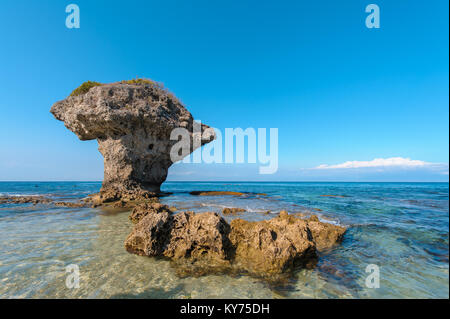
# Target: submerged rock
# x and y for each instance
(72, 204)
(37, 199)
(232, 211)
(122, 199)
(25, 200)
(132, 122)
(205, 242)
(216, 193)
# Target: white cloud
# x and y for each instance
(398, 162)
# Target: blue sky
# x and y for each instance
(336, 90)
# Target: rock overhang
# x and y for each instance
(132, 122)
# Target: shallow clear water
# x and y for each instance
(401, 227)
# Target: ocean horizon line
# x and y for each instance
(216, 181)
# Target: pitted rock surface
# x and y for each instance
(203, 243)
(132, 124)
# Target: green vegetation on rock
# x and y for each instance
(84, 88)
(138, 81)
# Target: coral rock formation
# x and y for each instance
(132, 122)
(272, 247)
(324, 233)
(232, 211)
(36, 199)
(144, 209)
(205, 242)
(186, 236)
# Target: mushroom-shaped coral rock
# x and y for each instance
(132, 122)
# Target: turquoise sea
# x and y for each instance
(402, 228)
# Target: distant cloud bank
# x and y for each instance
(379, 162)
(390, 168)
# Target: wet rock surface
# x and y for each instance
(132, 122)
(325, 235)
(25, 200)
(144, 209)
(122, 199)
(272, 247)
(35, 200)
(200, 240)
(232, 211)
(106, 199)
(202, 243)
